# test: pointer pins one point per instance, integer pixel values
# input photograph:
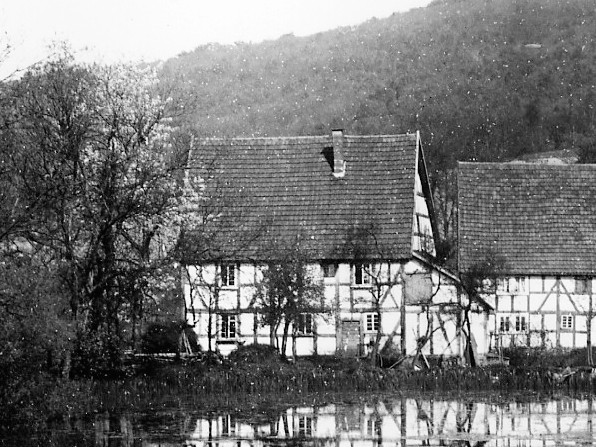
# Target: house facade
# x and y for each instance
(537, 224)
(360, 209)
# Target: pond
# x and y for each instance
(336, 420)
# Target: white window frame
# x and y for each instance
(228, 326)
(521, 324)
(305, 425)
(504, 324)
(567, 321)
(372, 322)
(374, 427)
(362, 275)
(228, 425)
(513, 284)
(227, 279)
(305, 324)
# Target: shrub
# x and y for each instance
(164, 337)
(255, 353)
(98, 354)
(523, 357)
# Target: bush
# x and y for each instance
(523, 357)
(164, 338)
(254, 353)
(98, 354)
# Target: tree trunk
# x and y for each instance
(469, 349)
(209, 330)
(590, 360)
(213, 307)
(66, 363)
(284, 340)
(402, 321)
(374, 354)
(273, 335)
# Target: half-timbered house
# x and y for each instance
(360, 208)
(537, 224)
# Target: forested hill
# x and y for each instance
(481, 79)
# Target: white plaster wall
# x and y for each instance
(543, 304)
(355, 303)
(326, 345)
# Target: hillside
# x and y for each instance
(482, 80)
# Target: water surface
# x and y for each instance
(336, 420)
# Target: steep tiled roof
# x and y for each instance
(538, 219)
(277, 189)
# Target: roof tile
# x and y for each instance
(541, 219)
(268, 191)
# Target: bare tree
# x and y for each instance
(478, 280)
(373, 261)
(288, 289)
(205, 285)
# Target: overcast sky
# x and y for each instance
(132, 30)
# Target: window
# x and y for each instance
(374, 427)
(566, 321)
(504, 324)
(305, 424)
(583, 286)
(228, 425)
(227, 327)
(304, 324)
(228, 275)
(372, 322)
(501, 285)
(520, 323)
(487, 285)
(517, 284)
(362, 274)
(329, 270)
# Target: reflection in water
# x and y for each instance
(378, 422)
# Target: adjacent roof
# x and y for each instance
(538, 219)
(270, 192)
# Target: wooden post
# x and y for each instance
(558, 312)
(590, 360)
(402, 321)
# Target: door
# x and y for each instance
(350, 339)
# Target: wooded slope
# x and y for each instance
(482, 80)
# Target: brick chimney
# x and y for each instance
(339, 164)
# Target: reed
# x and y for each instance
(276, 377)
(171, 385)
